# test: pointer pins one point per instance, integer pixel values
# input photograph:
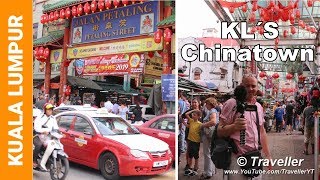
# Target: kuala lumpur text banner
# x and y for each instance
(16, 89)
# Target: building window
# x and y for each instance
(35, 30)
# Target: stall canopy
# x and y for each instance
(188, 85)
(75, 81)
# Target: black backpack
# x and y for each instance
(311, 120)
(221, 149)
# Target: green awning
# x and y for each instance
(59, 5)
(52, 37)
(168, 21)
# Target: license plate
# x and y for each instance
(160, 163)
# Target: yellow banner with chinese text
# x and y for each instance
(139, 45)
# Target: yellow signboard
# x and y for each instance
(153, 66)
(139, 45)
(173, 43)
(56, 56)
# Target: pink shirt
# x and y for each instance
(228, 115)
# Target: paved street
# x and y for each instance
(80, 172)
(281, 145)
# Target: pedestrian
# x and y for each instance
(231, 123)
(137, 114)
(183, 108)
(195, 105)
(278, 115)
(108, 105)
(289, 116)
(123, 110)
(77, 99)
(40, 103)
(308, 123)
(115, 108)
(194, 139)
(209, 122)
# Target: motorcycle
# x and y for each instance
(268, 121)
(58, 163)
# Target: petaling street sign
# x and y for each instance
(128, 21)
(139, 45)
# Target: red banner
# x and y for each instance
(120, 64)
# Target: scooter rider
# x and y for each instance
(43, 125)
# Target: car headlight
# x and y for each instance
(139, 154)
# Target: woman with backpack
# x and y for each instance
(308, 123)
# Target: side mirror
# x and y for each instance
(44, 126)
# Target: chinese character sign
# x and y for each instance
(129, 21)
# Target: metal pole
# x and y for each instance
(316, 145)
(189, 70)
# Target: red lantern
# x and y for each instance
(298, 14)
(86, 8)
(56, 15)
(254, 6)
(291, 17)
(262, 74)
(51, 16)
(62, 14)
(36, 52)
(293, 30)
(45, 18)
(276, 41)
(108, 4)
(285, 33)
(74, 11)
(290, 5)
(252, 17)
(40, 52)
(253, 29)
(46, 53)
(261, 30)
(68, 91)
(271, 3)
(116, 3)
(167, 35)
(310, 3)
(93, 6)
(301, 77)
(292, 21)
(158, 36)
(314, 30)
(41, 19)
(275, 75)
(101, 5)
(80, 10)
(125, 2)
(151, 54)
(68, 13)
(289, 76)
(231, 9)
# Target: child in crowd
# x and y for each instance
(194, 126)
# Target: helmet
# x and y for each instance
(47, 106)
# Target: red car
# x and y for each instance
(106, 142)
(161, 127)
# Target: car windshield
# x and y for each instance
(114, 126)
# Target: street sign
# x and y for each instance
(168, 86)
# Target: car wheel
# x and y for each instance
(109, 166)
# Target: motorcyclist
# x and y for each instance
(43, 125)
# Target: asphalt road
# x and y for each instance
(80, 172)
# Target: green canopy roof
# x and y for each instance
(168, 21)
(59, 4)
(52, 37)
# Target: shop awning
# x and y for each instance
(59, 5)
(83, 83)
(207, 84)
(169, 21)
(115, 87)
(190, 85)
(53, 36)
(75, 81)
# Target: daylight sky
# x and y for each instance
(192, 17)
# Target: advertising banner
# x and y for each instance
(110, 65)
(129, 21)
(153, 65)
(56, 56)
(139, 45)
